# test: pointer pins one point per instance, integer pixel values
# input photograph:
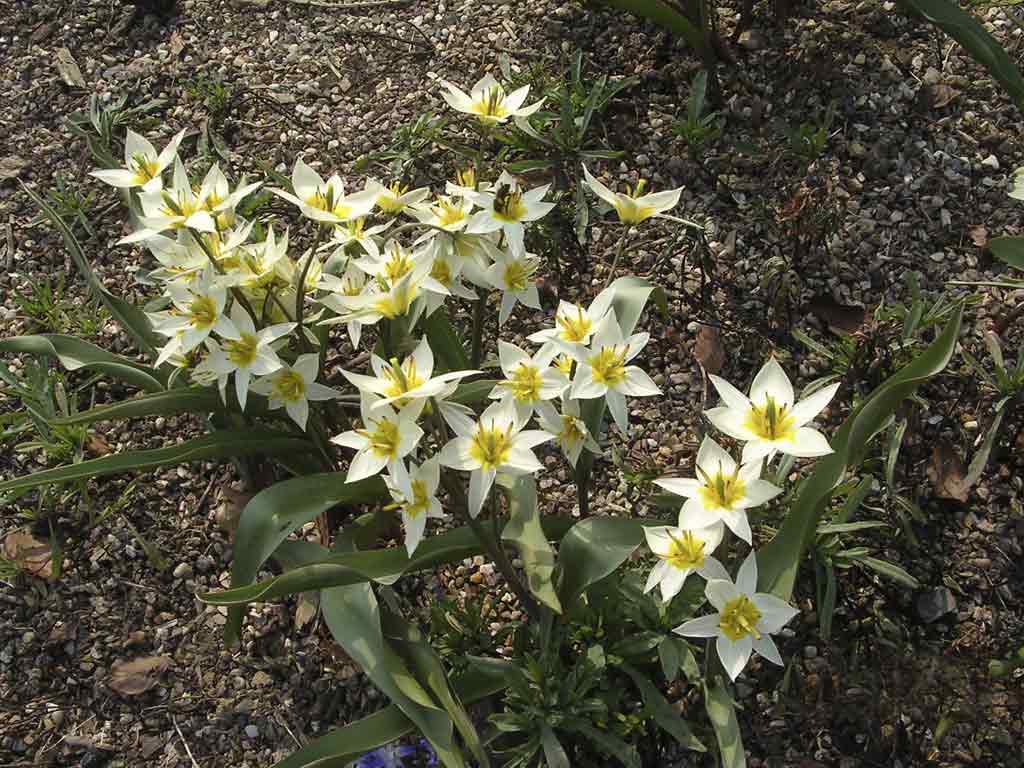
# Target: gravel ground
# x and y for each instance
(913, 175)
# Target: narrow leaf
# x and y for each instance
(76, 354)
(722, 713)
(525, 533)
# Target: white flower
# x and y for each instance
(507, 207)
(248, 355)
(356, 231)
(681, 552)
(397, 301)
(448, 213)
(496, 443)
(220, 200)
(513, 274)
(326, 201)
(529, 381)
(1017, 192)
(415, 491)
(634, 206)
(384, 440)
(294, 386)
(721, 492)
(198, 310)
(143, 165)
(744, 621)
(465, 184)
(573, 323)
(409, 382)
(352, 283)
(602, 370)
(488, 102)
(768, 420)
(176, 208)
(568, 429)
(396, 198)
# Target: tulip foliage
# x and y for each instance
(424, 430)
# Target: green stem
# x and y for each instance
(476, 350)
(235, 291)
(300, 288)
(618, 255)
(582, 476)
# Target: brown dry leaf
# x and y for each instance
(68, 68)
(708, 349)
(947, 473)
(978, 235)
(841, 319)
(942, 95)
(98, 445)
(30, 554)
(229, 509)
(305, 611)
(130, 678)
(176, 44)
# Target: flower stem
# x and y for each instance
(583, 486)
(235, 290)
(300, 288)
(476, 350)
(618, 255)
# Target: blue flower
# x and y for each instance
(397, 755)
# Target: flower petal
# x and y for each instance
(771, 381)
(734, 655)
(811, 406)
(702, 626)
(775, 613)
(746, 579)
(687, 487)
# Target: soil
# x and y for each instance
(911, 178)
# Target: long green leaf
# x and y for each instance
(341, 746)
(444, 341)
(273, 514)
(779, 559)
(75, 354)
(659, 708)
(353, 616)
(130, 317)
(190, 400)
(976, 40)
(526, 534)
(592, 549)
(383, 565)
(722, 713)
(218, 445)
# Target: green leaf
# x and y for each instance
(444, 341)
(341, 746)
(779, 559)
(980, 459)
(659, 708)
(524, 531)
(824, 530)
(75, 354)
(473, 392)
(554, 754)
(611, 745)
(191, 400)
(383, 565)
(722, 714)
(668, 655)
(592, 549)
(218, 445)
(353, 616)
(130, 317)
(976, 40)
(887, 569)
(666, 16)
(274, 513)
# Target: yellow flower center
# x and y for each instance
(466, 178)
(396, 303)
(508, 205)
(242, 351)
(572, 431)
(771, 421)
(323, 200)
(442, 272)
(525, 383)
(564, 363)
(388, 200)
(491, 446)
(145, 168)
(398, 264)
(490, 106)
(384, 437)
(686, 552)
(420, 502)
(574, 328)
(518, 274)
(739, 618)
(609, 365)
(448, 212)
(401, 379)
(631, 213)
(180, 207)
(289, 386)
(202, 312)
(721, 491)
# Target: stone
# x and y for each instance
(935, 603)
(183, 571)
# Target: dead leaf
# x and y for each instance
(942, 95)
(98, 445)
(947, 472)
(229, 509)
(130, 678)
(176, 44)
(68, 68)
(305, 611)
(708, 349)
(978, 235)
(30, 554)
(11, 167)
(841, 319)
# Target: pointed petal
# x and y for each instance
(772, 381)
(746, 579)
(775, 613)
(703, 626)
(811, 406)
(734, 655)
(687, 487)
(765, 646)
